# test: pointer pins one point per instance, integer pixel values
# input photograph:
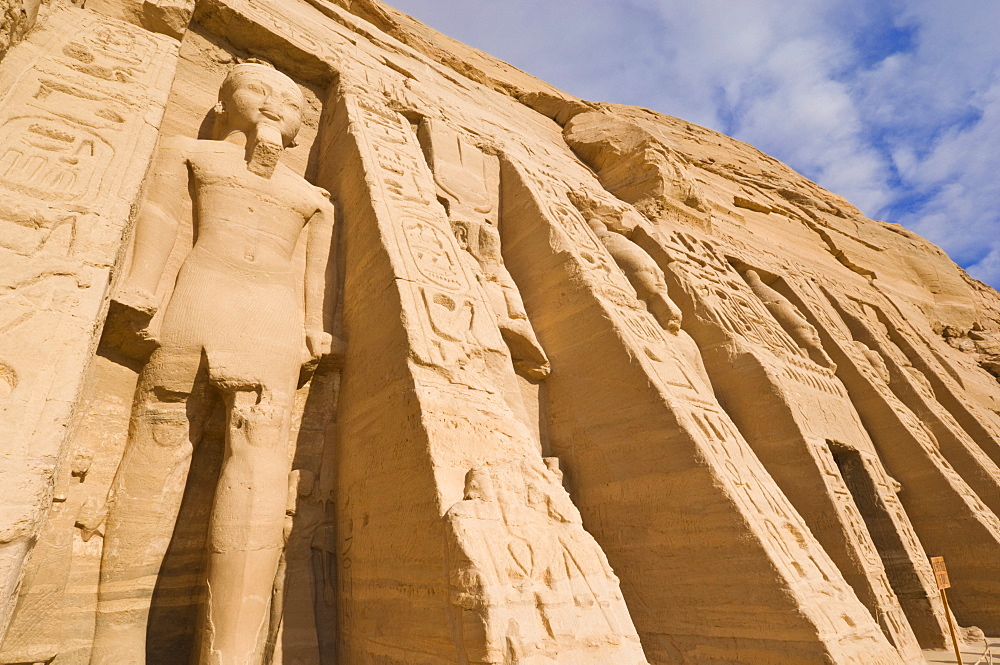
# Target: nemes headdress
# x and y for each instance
(249, 66)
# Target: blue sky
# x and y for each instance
(895, 104)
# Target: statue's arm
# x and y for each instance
(320, 278)
(167, 202)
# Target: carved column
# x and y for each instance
(433, 567)
(775, 380)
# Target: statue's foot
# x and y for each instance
(140, 301)
(92, 514)
(666, 314)
(338, 349)
(529, 359)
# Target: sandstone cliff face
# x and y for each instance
(461, 370)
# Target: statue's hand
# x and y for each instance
(323, 350)
(319, 343)
(127, 325)
(138, 301)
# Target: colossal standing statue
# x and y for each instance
(233, 324)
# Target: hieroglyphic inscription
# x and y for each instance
(784, 528)
(74, 120)
(80, 105)
(724, 299)
(456, 327)
(888, 489)
(817, 304)
(848, 510)
(46, 161)
(83, 109)
(78, 125)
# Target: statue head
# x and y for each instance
(256, 95)
(479, 485)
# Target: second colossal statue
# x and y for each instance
(234, 325)
(791, 319)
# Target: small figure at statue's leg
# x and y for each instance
(246, 533)
(167, 423)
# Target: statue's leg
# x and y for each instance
(246, 532)
(144, 501)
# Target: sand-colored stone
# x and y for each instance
(19, 17)
(327, 339)
(82, 100)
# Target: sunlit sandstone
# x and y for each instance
(327, 339)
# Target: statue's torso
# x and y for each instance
(241, 219)
(237, 290)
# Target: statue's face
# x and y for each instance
(261, 96)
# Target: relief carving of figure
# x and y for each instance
(528, 583)
(232, 324)
(468, 183)
(791, 319)
(874, 366)
(642, 272)
(612, 225)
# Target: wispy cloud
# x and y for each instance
(895, 104)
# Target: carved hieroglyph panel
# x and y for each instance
(80, 103)
(456, 328)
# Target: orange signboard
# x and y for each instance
(940, 572)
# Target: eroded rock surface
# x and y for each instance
(327, 339)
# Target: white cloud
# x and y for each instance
(938, 108)
(894, 104)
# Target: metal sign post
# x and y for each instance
(941, 577)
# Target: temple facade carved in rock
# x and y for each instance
(326, 339)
